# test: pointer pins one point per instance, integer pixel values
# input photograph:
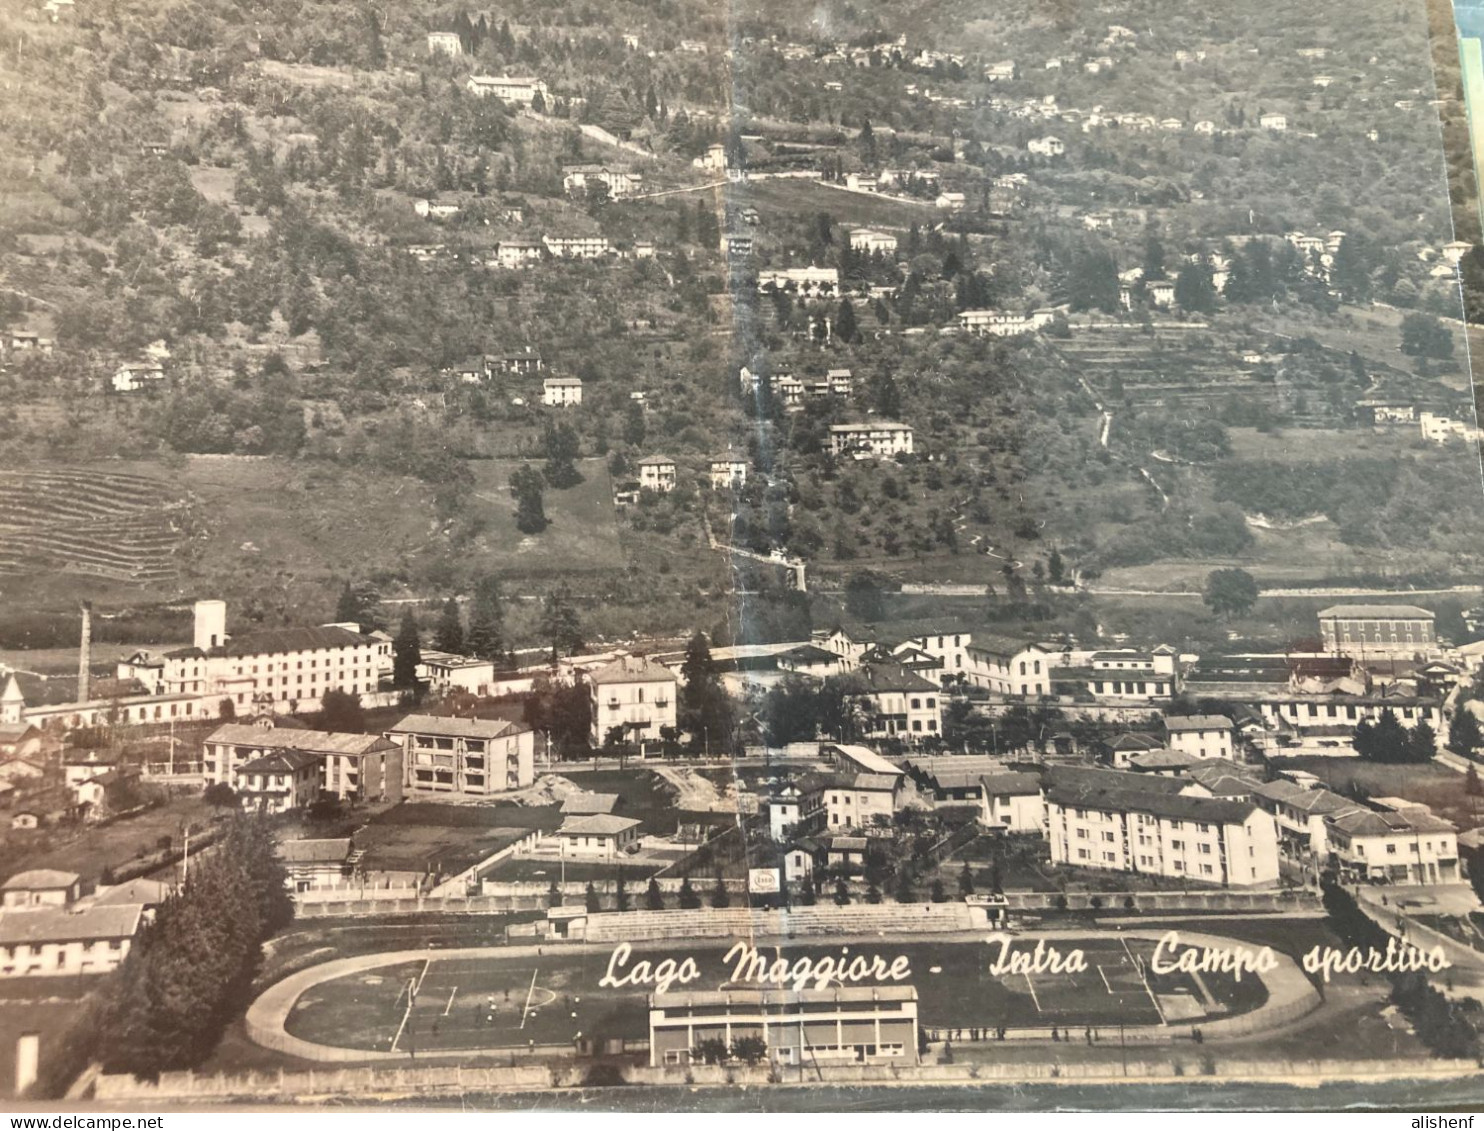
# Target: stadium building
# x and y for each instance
(848, 1025)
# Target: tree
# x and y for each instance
(1350, 274)
(406, 651)
(708, 231)
(1230, 592)
(704, 709)
(486, 636)
(904, 892)
(654, 899)
(1195, 289)
(712, 1050)
(845, 327)
(719, 894)
(590, 897)
(620, 894)
(689, 900)
(863, 597)
(449, 635)
(842, 893)
(1464, 735)
(1056, 569)
(527, 485)
(1154, 259)
(1093, 282)
(749, 1050)
(562, 448)
(966, 881)
(220, 795)
(1422, 743)
(937, 892)
(340, 711)
(348, 607)
(559, 624)
(1471, 785)
(1423, 336)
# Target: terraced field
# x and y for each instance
(97, 524)
(1171, 368)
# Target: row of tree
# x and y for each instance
(190, 970)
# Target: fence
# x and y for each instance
(1287, 901)
(364, 1083)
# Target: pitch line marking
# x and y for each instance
(1104, 977)
(406, 1013)
(1034, 998)
(527, 1010)
(449, 1006)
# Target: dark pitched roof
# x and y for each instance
(275, 640)
(1013, 782)
(873, 679)
(1111, 790)
(280, 762)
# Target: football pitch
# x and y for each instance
(446, 1005)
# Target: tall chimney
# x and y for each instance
(84, 660)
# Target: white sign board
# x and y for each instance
(763, 880)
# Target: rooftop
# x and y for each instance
(632, 669)
(291, 738)
(447, 726)
(40, 879)
(1375, 612)
(1197, 722)
(58, 924)
(597, 824)
(332, 850)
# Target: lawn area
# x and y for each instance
(1430, 783)
(499, 1002)
(91, 848)
(576, 871)
(583, 535)
(444, 839)
(642, 794)
(796, 197)
(1316, 445)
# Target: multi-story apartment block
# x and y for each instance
(897, 703)
(521, 91)
(561, 392)
(728, 471)
(577, 247)
(1009, 667)
(877, 438)
(1407, 846)
(1378, 631)
(815, 281)
(619, 180)
(1300, 814)
(870, 241)
(1201, 736)
(445, 43)
(279, 781)
(949, 649)
(1004, 323)
(633, 696)
(860, 800)
(1128, 675)
(519, 253)
(286, 669)
(471, 757)
(354, 767)
(657, 473)
(1147, 824)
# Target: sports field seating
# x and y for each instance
(800, 922)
